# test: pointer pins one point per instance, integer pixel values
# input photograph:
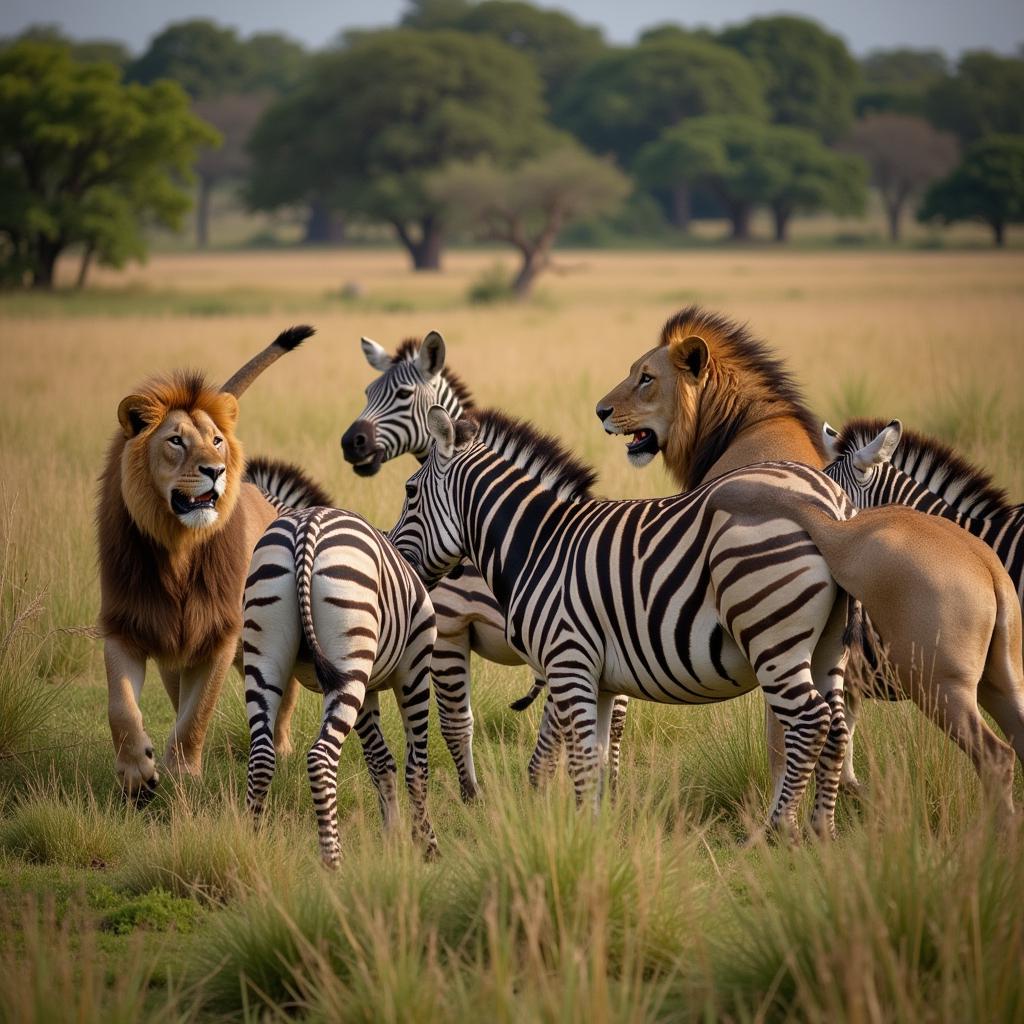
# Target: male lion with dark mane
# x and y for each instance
(177, 524)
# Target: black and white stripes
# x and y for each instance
(676, 600)
(325, 587)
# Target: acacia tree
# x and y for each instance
(987, 186)
(528, 205)
(372, 122)
(904, 154)
(86, 160)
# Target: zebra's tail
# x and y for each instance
(328, 675)
(285, 484)
(286, 341)
(1003, 664)
(527, 699)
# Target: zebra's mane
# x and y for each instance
(542, 456)
(407, 352)
(934, 465)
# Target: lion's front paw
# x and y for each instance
(138, 775)
(283, 745)
(179, 762)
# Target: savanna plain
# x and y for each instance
(658, 907)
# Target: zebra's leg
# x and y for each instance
(848, 781)
(133, 749)
(413, 691)
(379, 762)
(828, 666)
(805, 716)
(283, 726)
(576, 700)
(341, 708)
(618, 726)
(548, 751)
(450, 669)
(605, 701)
(775, 742)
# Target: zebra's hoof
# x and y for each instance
(471, 794)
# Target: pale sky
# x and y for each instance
(949, 25)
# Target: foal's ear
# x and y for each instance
(430, 359)
(830, 441)
(375, 354)
(441, 430)
(880, 449)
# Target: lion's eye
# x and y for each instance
(645, 378)
(218, 441)
(178, 440)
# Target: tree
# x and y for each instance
(982, 98)
(987, 186)
(86, 160)
(559, 46)
(234, 116)
(373, 121)
(810, 79)
(85, 50)
(528, 205)
(748, 163)
(896, 81)
(904, 154)
(431, 14)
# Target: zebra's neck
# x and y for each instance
(507, 518)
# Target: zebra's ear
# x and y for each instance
(441, 430)
(375, 354)
(830, 441)
(880, 449)
(431, 356)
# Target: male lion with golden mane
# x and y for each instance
(177, 525)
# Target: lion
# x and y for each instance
(176, 526)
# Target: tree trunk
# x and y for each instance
(533, 263)
(426, 250)
(781, 215)
(324, 225)
(894, 211)
(999, 231)
(739, 214)
(44, 263)
(203, 211)
(681, 213)
(83, 269)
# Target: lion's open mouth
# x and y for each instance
(369, 465)
(645, 442)
(183, 503)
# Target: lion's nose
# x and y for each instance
(213, 472)
(604, 411)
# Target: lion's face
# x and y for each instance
(657, 402)
(181, 469)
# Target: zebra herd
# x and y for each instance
(748, 580)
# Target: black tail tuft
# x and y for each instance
(328, 675)
(525, 701)
(294, 337)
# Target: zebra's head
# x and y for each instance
(864, 472)
(429, 532)
(394, 419)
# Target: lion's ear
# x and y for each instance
(691, 355)
(131, 414)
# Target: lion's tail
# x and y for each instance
(328, 675)
(286, 341)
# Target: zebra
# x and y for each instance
(325, 587)
(882, 465)
(285, 485)
(643, 598)
(394, 422)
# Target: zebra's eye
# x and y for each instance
(403, 392)
(410, 490)
(645, 379)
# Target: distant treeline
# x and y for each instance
(496, 120)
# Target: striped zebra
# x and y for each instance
(326, 588)
(643, 598)
(284, 484)
(393, 423)
(881, 464)
(703, 596)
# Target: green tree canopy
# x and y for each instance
(748, 163)
(529, 204)
(810, 79)
(626, 98)
(86, 160)
(373, 120)
(86, 50)
(896, 81)
(987, 186)
(903, 154)
(982, 98)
